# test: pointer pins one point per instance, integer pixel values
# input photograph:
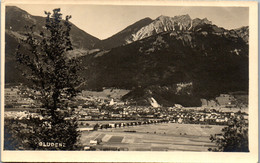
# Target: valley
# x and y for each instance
(163, 84)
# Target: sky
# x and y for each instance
(103, 21)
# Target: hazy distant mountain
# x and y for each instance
(17, 19)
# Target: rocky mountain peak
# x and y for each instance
(147, 27)
(197, 21)
(162, 17)
(163, 24)
(243, 32)
(182, 18)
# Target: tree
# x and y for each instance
(96, 127)
(51, 72)
(234, 137)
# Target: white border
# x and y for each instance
(96, 156)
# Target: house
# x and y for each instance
(93, 142)
(86, 129)
(226, 119)
(149, 116)
(180, 120)
(86, 148)
(116, 115)
(112, 102)
(112, 125)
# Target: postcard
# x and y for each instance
(129, 81)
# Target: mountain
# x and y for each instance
(148, 27)
(174, 60)
(162, 24)
(243, 32)
(121, 37)
(16, 20)
(202, 60)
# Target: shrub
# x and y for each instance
(234, 137)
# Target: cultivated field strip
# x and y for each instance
(157, 137)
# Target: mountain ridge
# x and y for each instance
(160, 24)
(16, 20)
(160, 62)
(16, 14)
(120, 38)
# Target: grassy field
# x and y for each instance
(111, 93)
(155, 137)
(21, 109)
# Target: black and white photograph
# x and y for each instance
(118, 78)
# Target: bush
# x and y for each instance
(234, 137)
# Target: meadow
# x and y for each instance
(154, 137)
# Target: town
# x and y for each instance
(91, 108)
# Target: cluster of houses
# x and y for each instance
(18, 96)
(210, 117)
(120, 113)
(94, 108)
(173, 114)
(19, 115)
